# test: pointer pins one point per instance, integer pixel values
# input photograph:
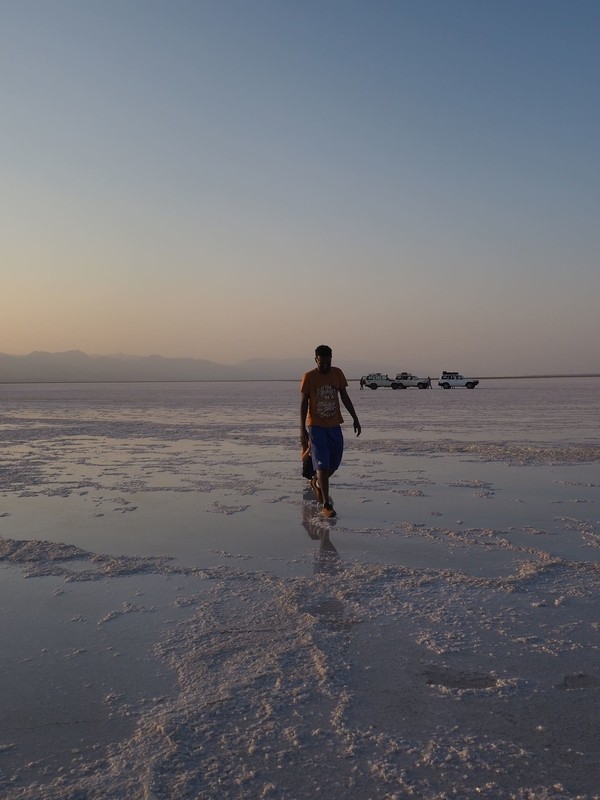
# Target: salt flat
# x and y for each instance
(180, 623)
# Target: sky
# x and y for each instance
(415, 182)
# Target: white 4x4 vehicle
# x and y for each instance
(449, 380)
(375, 379)
(405, 379)
(401, 381)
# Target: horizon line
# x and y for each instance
(280, 380)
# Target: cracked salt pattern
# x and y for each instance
(180, 622)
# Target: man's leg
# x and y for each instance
(336, 448)
(327, 447)
(323, 479)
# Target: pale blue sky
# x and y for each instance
(414, 180)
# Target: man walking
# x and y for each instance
(322, 388)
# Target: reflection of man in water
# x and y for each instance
(327, 558)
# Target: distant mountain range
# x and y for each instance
(77, 367)
(73, 366)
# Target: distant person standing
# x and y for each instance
(321, 390)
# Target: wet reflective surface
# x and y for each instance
(160, 549)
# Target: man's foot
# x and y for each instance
(316, 489)
(328, 510)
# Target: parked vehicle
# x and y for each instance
(450, 380)
(376, 379)
(405, 379)
(402, 381)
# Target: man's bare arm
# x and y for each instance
(348, 403)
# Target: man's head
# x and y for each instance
(323, 355)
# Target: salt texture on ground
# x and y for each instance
(211, 649)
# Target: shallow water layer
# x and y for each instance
(189, 626)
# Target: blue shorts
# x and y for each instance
(327, 446)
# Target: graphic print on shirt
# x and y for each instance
(326, 401)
